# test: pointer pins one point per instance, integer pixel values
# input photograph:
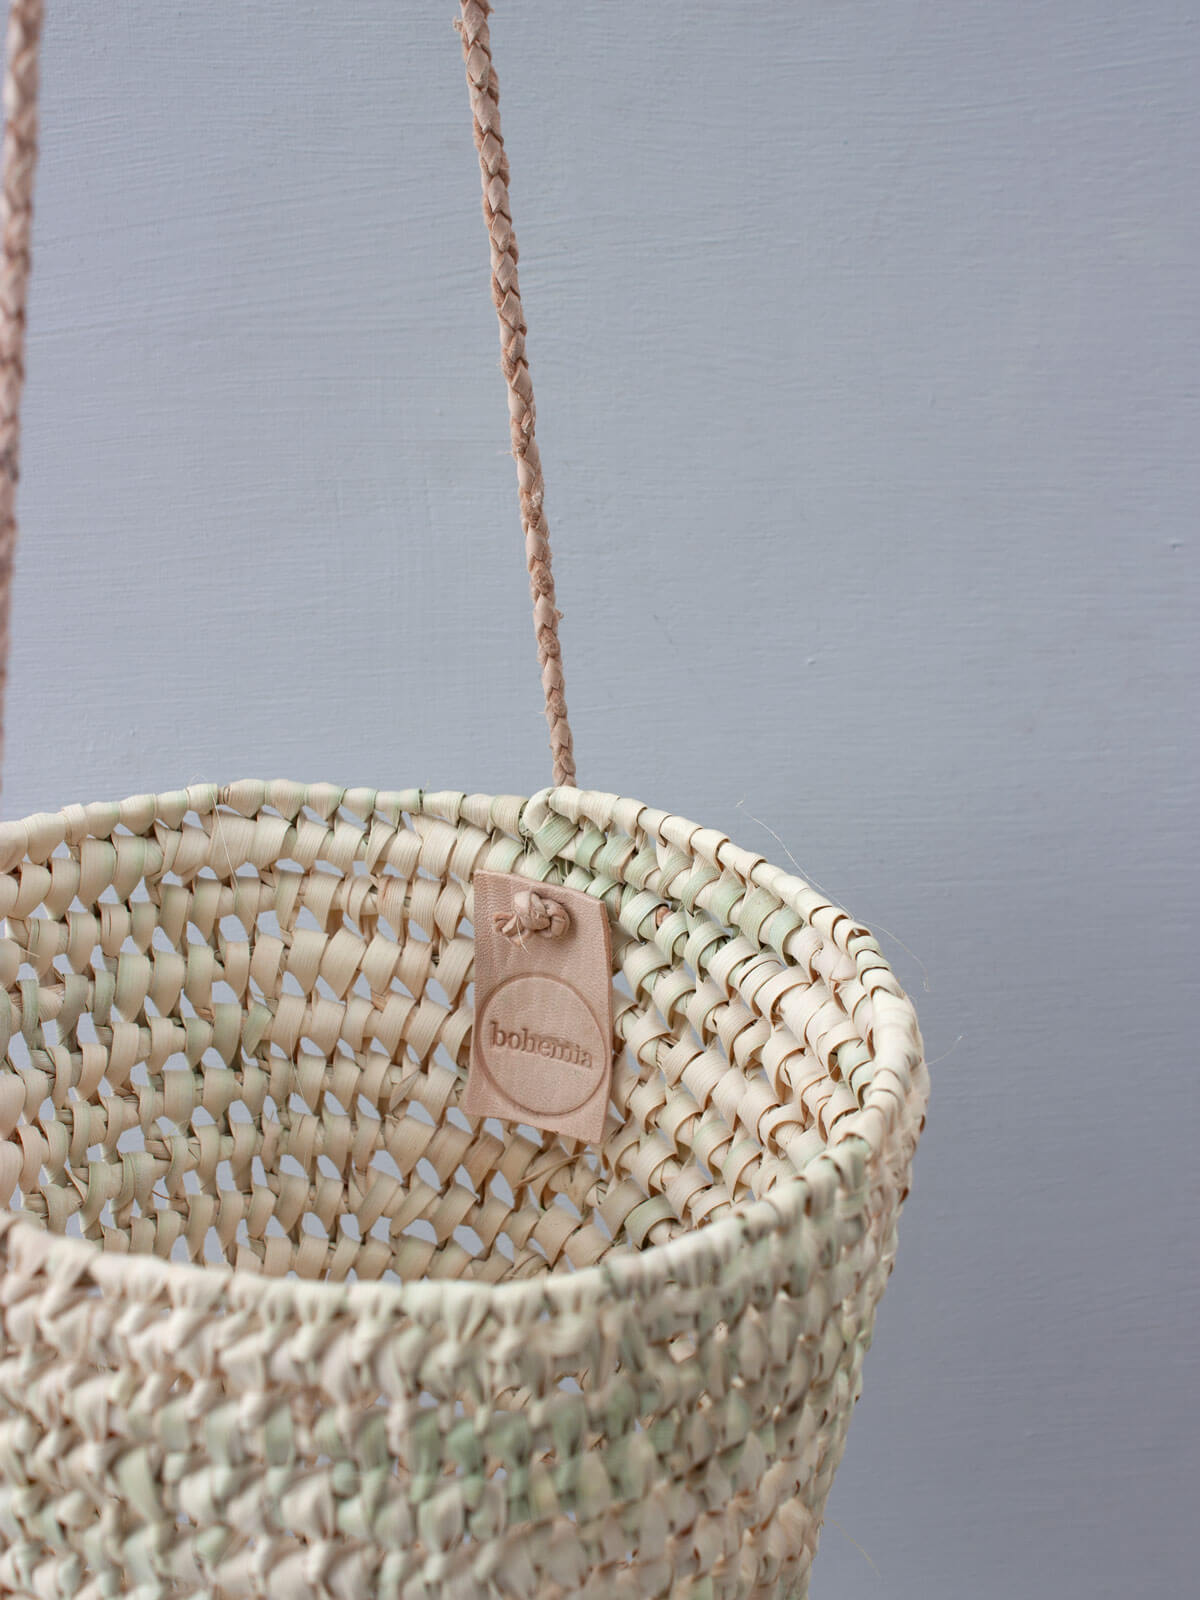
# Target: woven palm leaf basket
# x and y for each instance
(280, 1315)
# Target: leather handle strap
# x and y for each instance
(16, 216)
(16, 219)
(506, 296)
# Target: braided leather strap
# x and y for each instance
(16, 217)
(20, 151)
(506, 294)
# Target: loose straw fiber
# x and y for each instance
(277, 1319)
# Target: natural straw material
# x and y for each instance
(278, 1320)
(237, 1029)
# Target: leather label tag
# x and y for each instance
(542, 1036)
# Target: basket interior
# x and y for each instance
(237, 1031)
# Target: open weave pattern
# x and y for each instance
(484, 90)
(237, 1025)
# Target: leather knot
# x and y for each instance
(532, 914)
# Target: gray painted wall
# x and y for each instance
(865, 341)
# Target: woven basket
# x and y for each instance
(278, 1319)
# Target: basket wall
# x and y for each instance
(236, 1027)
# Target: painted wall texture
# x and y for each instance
(864, 338)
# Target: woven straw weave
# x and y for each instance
(277, 1318)
(237, 1031)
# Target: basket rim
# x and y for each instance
(691, 1258)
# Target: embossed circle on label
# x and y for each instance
(540, 1044)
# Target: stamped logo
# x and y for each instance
(552, 1063)
(542, 1038)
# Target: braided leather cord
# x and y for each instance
(16, 218)
(506, 294)
(20, 151)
